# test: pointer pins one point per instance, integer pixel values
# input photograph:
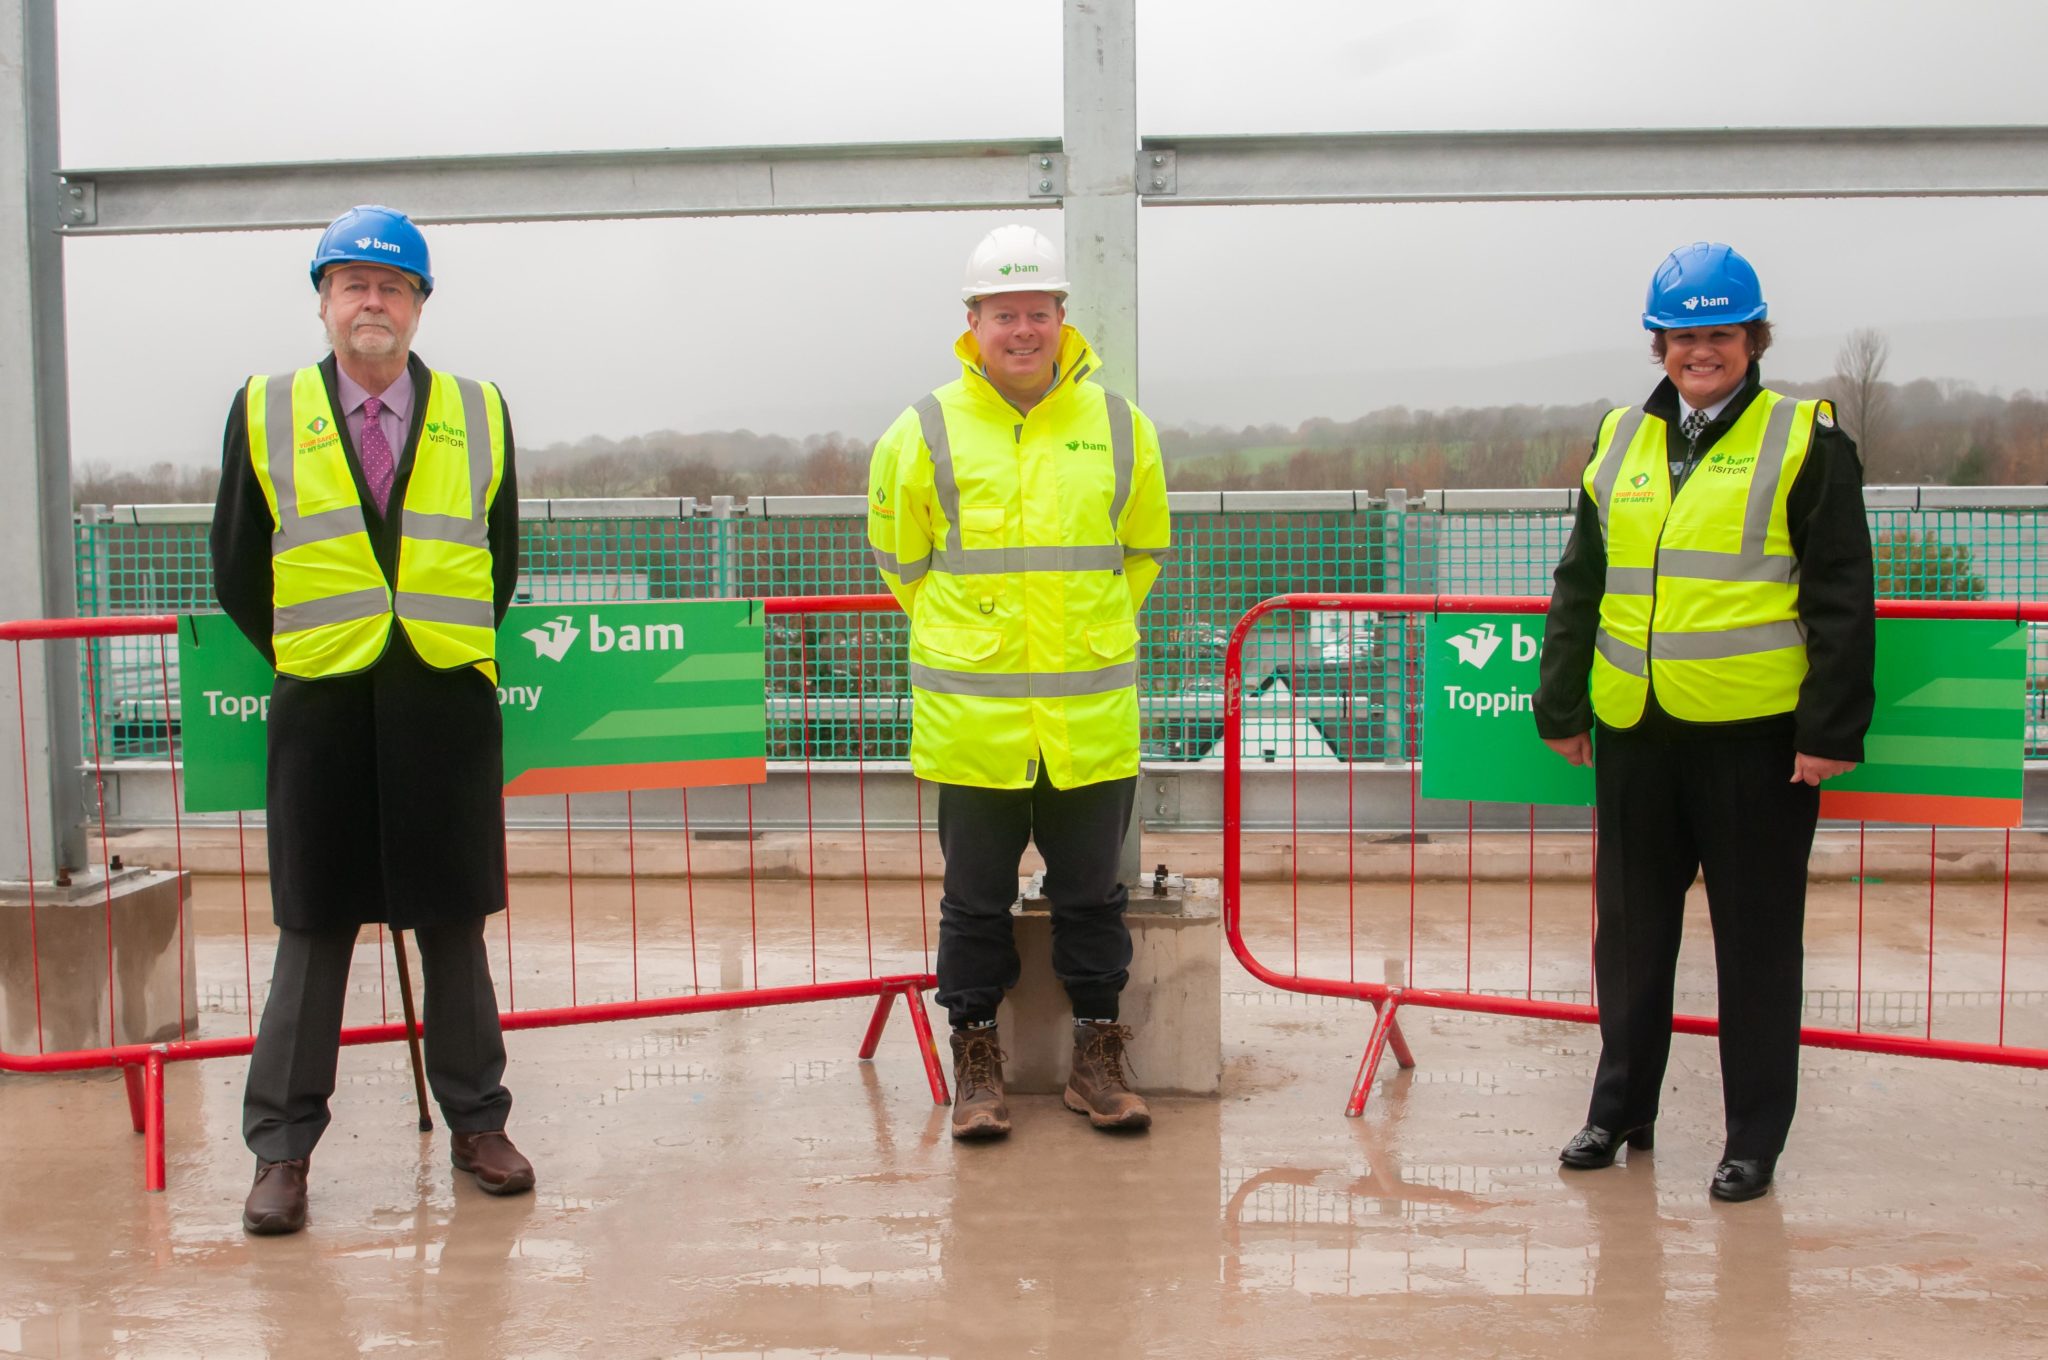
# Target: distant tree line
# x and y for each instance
(1925, 431)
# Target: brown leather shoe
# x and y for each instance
(979, 1109)
(490, 1157)
(277, 1201)
(1097, 1086)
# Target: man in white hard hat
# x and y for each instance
(1019, 514)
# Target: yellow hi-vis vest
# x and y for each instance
(332, 608)
(1021, 547)
(1702, 591)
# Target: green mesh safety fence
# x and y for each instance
(1318, 684)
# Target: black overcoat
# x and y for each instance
(385, 787)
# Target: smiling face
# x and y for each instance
(370, 312)
(1707, 363)
(1019, 337)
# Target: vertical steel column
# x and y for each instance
(1100, 98)
(36, 567)
(1101, 203)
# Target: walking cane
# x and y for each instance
(412, 1030)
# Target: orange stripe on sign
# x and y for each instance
(1919, 809)
(654, 774)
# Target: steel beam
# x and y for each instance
(1395, 167)
(39, 689)
(570, 186)
(1639, 163)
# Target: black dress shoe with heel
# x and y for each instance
(1739, 1178)
(1594, 1147)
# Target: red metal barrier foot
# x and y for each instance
(153, 1121)
(131, 1077)
(1375, 1045)
(1403, 1058)
(876, 1024)
(934, 1070)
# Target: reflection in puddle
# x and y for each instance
(1362, 1269)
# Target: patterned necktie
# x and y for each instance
(375, 450)
(1695, 422)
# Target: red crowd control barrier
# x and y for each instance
(852, 965)
(1925, 952)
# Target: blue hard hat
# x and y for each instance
(1703, 284)
(371, 234)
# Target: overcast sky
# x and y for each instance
(810, 324)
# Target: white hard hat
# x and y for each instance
(1014, 259)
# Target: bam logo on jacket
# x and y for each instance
(1073, 444)
(438, 433)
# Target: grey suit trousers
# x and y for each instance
(292, 1071)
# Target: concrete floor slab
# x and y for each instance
(739, 1184)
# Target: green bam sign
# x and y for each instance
(1946, 744)
(595, 697)
(1479, 739)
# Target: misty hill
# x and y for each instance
(1943, 432)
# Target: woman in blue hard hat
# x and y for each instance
(1711, 636)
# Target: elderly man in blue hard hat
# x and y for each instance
(366, 540)
(1712, 637)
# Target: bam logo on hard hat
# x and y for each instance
(554, 638)
(1007, 269)
(1699, 301)
(1476, 646)
(372, 243)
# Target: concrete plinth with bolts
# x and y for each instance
(121, 930)
(1173, 1003)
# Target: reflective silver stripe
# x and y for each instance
(1156, 554)
(423, 608)
(280, 424)
(1763, 482)
(1609, 471)
(1631, 580)
(349, 608)
(1046, 557)
(473, 530)
(318, 528)
(445, 528)
(1623, 656)
(931, 420)
(1025, 684)
(1699, 565)
(1717, 646)
(906, 574)
(1123, 444)
(477, 433)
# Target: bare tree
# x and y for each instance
(1861, 392)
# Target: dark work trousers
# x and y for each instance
(291, 1073)
(1670, 808)
(1080, 832)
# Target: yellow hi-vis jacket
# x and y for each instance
(332, 609)
(1021, 548)
(1702, 590)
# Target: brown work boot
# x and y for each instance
(979, 1110)
(277, 1201)
(1097, 1086)
(490, 1157)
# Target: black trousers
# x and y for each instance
(291, 1072)
(1671, 808)
(1080, 832)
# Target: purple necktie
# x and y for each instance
(375, 449)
